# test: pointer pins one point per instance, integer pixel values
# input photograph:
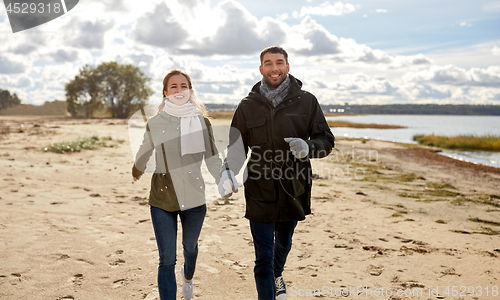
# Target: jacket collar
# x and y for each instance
(295, 85)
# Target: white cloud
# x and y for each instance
(491, 7)
(62, 55)
(218, 45)
(87, 34)
(465, 24)
(240, 33)
(496, 50)
(313, 39)
(326, 9)
(9, 66)
(452, 75)
(159, 28)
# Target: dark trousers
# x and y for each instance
(272, 242)
(165, 227)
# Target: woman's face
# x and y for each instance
(178, 91)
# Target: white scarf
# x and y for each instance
(191, 129)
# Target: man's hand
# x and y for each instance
(298, 147)
(228, 184)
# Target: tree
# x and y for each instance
(119, 88)
(7, 99)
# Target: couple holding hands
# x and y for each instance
(280, 123)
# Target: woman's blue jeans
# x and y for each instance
(165, 227)
(272, 242)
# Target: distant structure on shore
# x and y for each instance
(414, 109)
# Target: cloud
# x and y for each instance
(372, 56)
(313, 41)
(317, 39)
(452, 75)
(496, 50)
(8, 66)
(189, 3)
(159, 28)
(88, 34)
(240, 34)
(491, 7)
(114, 5)
(381, 11)
(24, 82)
(24, 49)
(65, 56)
(326, 9)
(423, 91)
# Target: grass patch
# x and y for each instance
(380, 187)
(409, 177)
(440, 186)
(91, 143)
(442, 193)
(398, 214)
(441, 222)
(462, 142)
(489, 231)
(430, 200)
(484, 221)
(225, 115)
(462, 200)
(461, 231)
(409, 220)
(361, 125)
(322, 184)
(486, 197)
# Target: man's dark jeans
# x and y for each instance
(272, 242)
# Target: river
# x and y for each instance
(429, 125)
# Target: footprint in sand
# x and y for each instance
(153, 296)
(208, 240)
(375, 270)
(76, 279)
(208, 268)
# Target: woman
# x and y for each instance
(182, 138)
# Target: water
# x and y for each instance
(427, 124)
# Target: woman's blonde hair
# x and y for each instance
(192, 98)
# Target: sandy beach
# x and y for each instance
(386, 218)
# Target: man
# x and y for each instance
(284, 127)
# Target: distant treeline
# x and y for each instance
(415, 109)
(54, 108)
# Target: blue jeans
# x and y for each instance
(272, 242)
(165, 227)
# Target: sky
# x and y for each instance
(348, 51)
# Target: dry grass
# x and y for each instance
(462, 142)
(228, 115)
(361, 125)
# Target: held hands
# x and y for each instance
(228, 184)
(298, 147)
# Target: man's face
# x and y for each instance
(274, 69)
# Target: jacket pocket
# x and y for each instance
(257, 128)
(295, 125)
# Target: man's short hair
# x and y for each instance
(274, 49)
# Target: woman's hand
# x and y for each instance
(137, 178)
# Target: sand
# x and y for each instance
(387, 218)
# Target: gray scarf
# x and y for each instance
(277, 95)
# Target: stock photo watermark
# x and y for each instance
(364, 291)
(28, 14)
